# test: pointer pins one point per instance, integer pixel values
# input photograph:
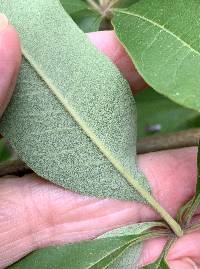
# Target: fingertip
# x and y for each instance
(108, 43)
(10, 58)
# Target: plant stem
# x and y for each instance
(154, 204)
(107, 10)
(175, 140)
(95, 6)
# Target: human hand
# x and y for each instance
(35, 213)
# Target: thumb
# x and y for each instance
(10, 56)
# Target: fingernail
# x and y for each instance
(3, 22)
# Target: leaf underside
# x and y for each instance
(164, 49)
(112, 250)
(72, 118)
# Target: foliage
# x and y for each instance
(99, 253)
(75, 112)
(5, 153)
(162, 47)
(88, 19)
(171, 117)
(70, 110)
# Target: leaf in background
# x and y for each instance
(72, 116)
(85, 17)
(171, 117)
(165, 52)
(98, 253)
(5, 152)
(74, 6)
(125, 3)
(87, 20)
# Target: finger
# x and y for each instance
(42, 214)
(108, 43)
(9, 61)
(183, 254)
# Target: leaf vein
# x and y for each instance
(160, 26)
(102, 147)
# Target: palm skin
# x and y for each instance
(35, 213)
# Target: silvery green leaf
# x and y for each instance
(72, 117)
(132, 229)
(128, 258)
(100, 253)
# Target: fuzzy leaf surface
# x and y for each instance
(106, 250)
(162, 38)
(72, 117)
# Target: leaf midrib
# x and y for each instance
(136, 239)
(159, 26)
(68, 108)
(110, 253)
(103, 149)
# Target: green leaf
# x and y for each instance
(68, 106)
(74, 6)
(125, 3)
(82, 255)
(170, 118)
(72, 118)
(128, 259)
(86, 18)
(98, 253)
(5, 153)
(163, 42)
